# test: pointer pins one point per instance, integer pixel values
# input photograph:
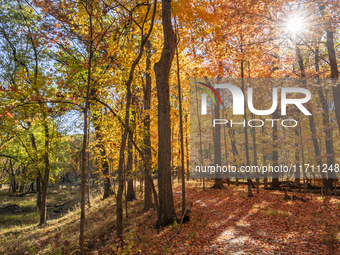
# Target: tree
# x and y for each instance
(24, 73)
(147, 130)
(162, 68)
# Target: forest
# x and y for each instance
(169, 127)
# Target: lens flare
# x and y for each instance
(294, 25)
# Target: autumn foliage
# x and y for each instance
(97, 94)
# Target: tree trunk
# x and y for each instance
(264, 157)
(311, 119)
(303, 161)
(217, 149)
(119, 197)
(200, 134)
(130, 193)
(328, 140)
(334, 72)
(88, 176)
(105, 167)
(233, 148)
(297, 156)
(187, 153)
(226, 152)
(23, 182)
(38, 191)
(181, 131)
(147, 138)
(85, 129)
(46, 177)
(162, 68)
(14, 183)
(255, 159)
(103, 156)
(22, 187)
(225, 145)
(249, 181)
(297, 148)
(37, 176)
(275, 179)
(316, 147)
(325, 116)
(121, 180)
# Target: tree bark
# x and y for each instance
(217, 149)
(226, 151)
(187, 153)
(88, 172)
(181, 131)
(297, 147)
(147, 138)
(38, 191)
(23, 182)
(46, 177)
(89, 9)
(103, 156)
(37, 176)
(316, 148)
(104, 162)
(275, 179)
(249, 181)
(264, 157)
(297, 156)
(130, 193)
(328, 184)
(328, 140)
(200, 134)
(233, 148)
(162, 68)
(255, 159)
(14, 183)
(334, 72)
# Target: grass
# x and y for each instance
(56, 195)
(18, 219)
(20, 233)
(273, 212)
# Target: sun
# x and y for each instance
(294, 25)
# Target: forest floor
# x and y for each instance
(221, 222)
(18, 208)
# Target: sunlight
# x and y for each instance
(294, 25)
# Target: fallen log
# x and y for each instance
(59, 205)
(299, 198)
(185, 214)
(26, 193)
(12, 208)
